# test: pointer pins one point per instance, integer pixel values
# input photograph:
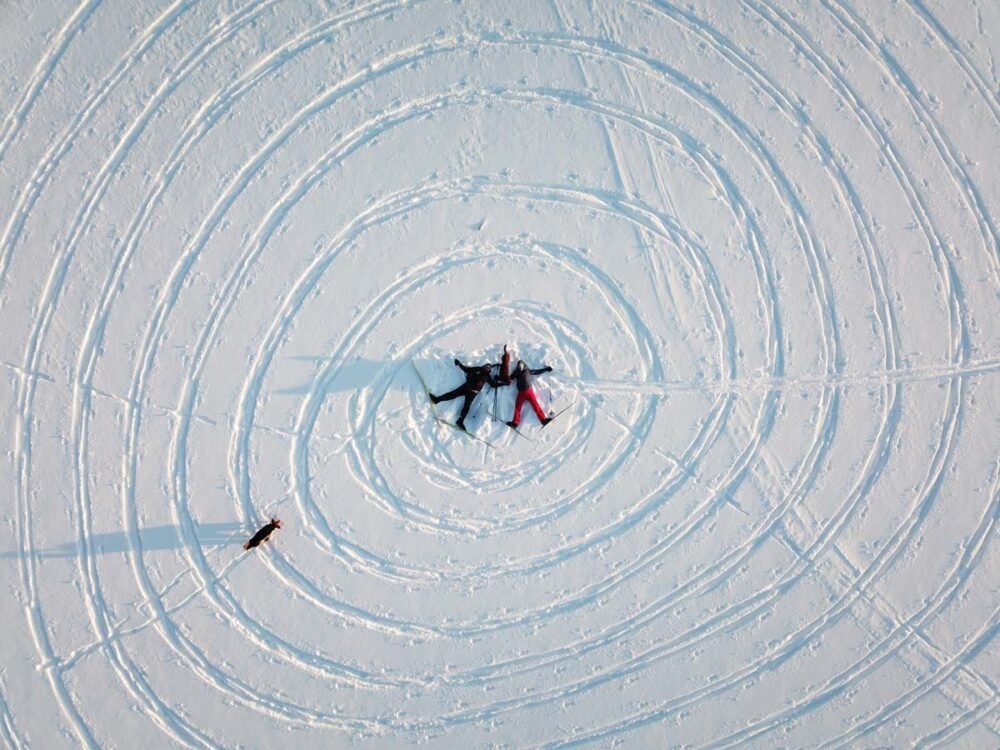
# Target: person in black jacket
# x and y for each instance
(475, 379)
(523, 377)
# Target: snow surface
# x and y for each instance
(759, 242)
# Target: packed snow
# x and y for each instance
(757, 241)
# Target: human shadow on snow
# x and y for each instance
(359, 373)
(351, 376)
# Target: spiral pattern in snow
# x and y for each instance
(757, 242)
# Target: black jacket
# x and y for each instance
(523, 377)
(478, 376)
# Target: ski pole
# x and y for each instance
(495, 391)
(479, 405)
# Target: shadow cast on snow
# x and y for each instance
(151, 539)
(351, 376)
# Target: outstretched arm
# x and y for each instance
(541, 371)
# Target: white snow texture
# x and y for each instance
(757, 240)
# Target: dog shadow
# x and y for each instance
(151, 539)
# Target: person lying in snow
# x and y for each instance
(263, 534)
(475, 379)
(523, 377)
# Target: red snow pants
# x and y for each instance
(529, 396)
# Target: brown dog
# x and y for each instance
(263, 533)
(503, 378)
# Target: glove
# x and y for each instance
(457, 363)
(548, 369)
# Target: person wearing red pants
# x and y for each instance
(522, 377)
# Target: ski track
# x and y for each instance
(614, 581)
(8, 730)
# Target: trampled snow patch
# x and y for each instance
(758, 243)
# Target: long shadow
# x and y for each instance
(352, 376)
(151, 538)
(360, 372)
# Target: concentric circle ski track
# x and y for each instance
(621, 623)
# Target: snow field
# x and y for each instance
(757, 242)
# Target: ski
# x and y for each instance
(439, 418)
(454, 426)
(519, 432)
(553, 415)
(515, 429)
(427, 390)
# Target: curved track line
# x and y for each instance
(364, 464)
(43, 71)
